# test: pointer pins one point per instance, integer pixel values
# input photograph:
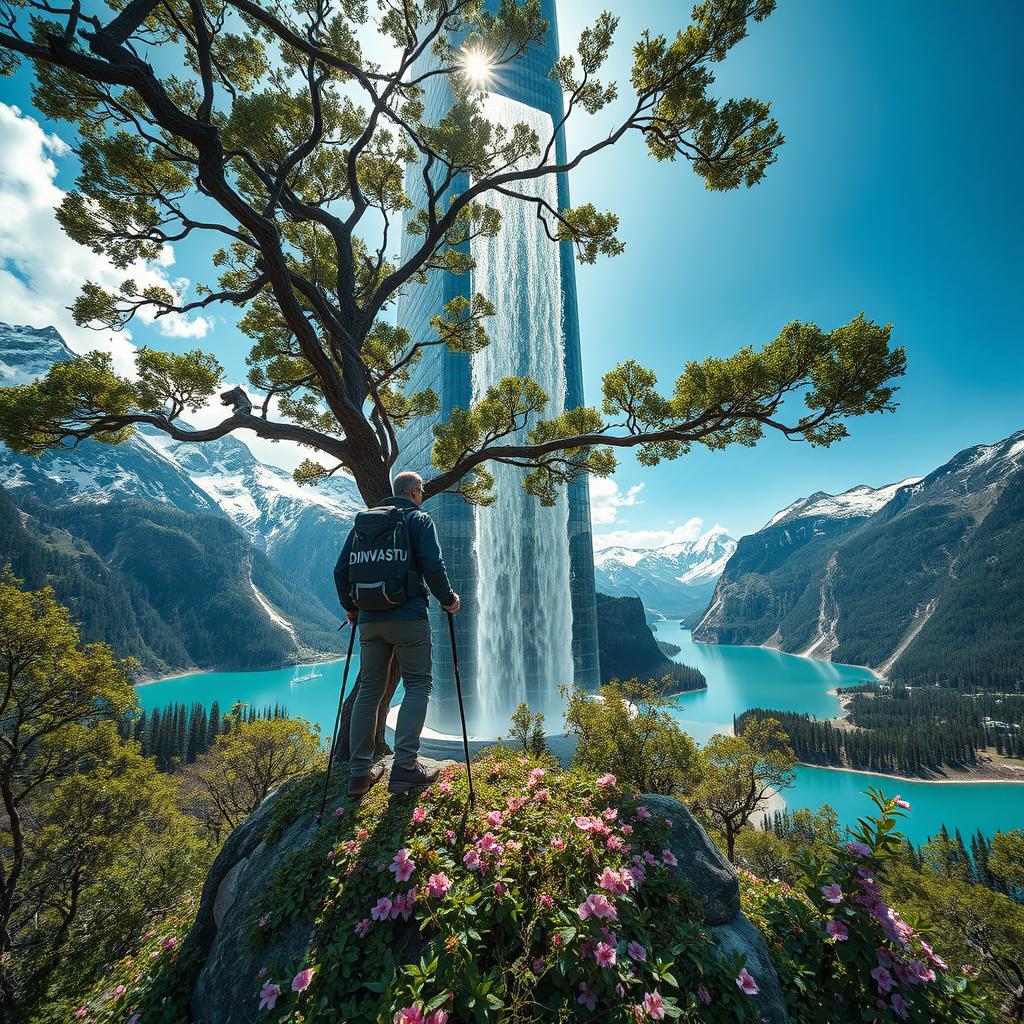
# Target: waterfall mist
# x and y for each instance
(524, 632)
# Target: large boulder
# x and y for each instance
(245, 869)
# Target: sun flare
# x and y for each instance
(477, 66)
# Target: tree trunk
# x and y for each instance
(343, 748)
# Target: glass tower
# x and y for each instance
(450, 376)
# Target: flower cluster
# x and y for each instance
(548, 895)
(840, 936)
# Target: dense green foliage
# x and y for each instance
(626, 729)
(243, 766)
(162, 585)
(969, 909)
(91, 841)
(628, 649)
(907, 731)
(738, 774)
(843, 952)
(177, 734)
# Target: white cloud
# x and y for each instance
(690, 530)
(606, 499)
(41, 269)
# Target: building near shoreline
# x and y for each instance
(525, 573)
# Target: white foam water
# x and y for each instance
(524, 630)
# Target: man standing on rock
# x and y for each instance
(390, 560)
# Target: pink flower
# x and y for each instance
(669, 858)
(363, 928)
(410, 1015)
(649, 858)
(587, 997)
(921, 972)
(268, 995)
(472, 860)
(264, 921)
(654, 1005)
(704, 995)
(402, 866)
(339, 812)
(610, 813)
(616, 882)
(382, 909)
(558, 843)
(899, 1006)
(438, 885)
(627, 830)
(745, 982)
(859, 849)
(419, 814)
(606, 781)
(402, 905)
(545, 901)
(120, 991)
(449, 834)
(934, 957)
(642, 813)
(970, 970)
(330, 855)
(169, 943)
(535, 776)
(882, 978)
(488, 843)
(605, 955)
(495, 818)
(438, 1017)
(837, 930)
(556, 939)
(445, 788)
(614, 843)
(362, 835)
(637, 952)
(597, 905)
(832, 893)
(303, 979)
(81, 1013)
(542, 796)
(900, 802)
(499, 889)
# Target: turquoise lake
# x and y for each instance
(738, 678)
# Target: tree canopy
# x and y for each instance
(268, 131)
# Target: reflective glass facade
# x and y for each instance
(449, 375)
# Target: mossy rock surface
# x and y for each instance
(498, 927)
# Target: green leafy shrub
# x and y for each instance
(842, 952)
(629, 731)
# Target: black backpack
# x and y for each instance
(381, 573)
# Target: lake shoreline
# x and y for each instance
(959, 778)
(328, 659)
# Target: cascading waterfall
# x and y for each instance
(524, 631)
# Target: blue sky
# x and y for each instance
(896, 194)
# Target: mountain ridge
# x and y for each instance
(861, 581)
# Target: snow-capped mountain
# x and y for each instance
(28, 352)
(673, 580)
(858, 501)
(302, 528)
(921, 578)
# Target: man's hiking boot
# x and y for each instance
(406, 778)
(360, 785)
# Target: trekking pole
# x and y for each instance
(337, 724)
(462, 710)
